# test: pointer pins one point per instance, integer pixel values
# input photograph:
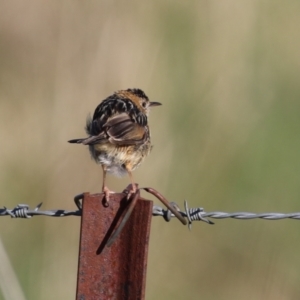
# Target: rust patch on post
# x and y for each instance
(119, 271)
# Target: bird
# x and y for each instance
(119, 135)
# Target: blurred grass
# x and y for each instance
(226, 137)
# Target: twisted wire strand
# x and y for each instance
(198, 214)
(23, 211)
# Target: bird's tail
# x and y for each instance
(76, 141)
(91, 140)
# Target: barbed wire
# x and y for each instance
(192, 214)
(198, 214)
(23, 211)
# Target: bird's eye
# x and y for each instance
(144, 104)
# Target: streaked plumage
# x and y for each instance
(119, 135)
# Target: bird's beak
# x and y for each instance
(154, 104)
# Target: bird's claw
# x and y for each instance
(131, 190)
(106, 191)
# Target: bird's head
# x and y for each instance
(139, 98)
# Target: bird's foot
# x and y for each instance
(131, 190)
(106, 192)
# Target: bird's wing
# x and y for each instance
(119, 129)
(122, 130)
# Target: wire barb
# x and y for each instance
(20, 211)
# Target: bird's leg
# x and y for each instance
(133, 185)
(105, 189)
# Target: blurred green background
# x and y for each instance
(226, 138)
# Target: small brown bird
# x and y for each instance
(119, 135)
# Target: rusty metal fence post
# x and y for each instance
(119, 271)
